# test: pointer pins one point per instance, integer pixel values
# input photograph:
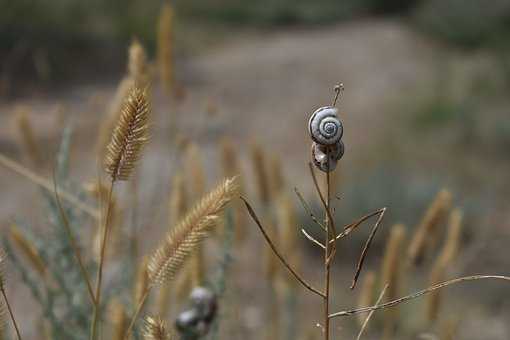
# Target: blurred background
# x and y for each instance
(425, 108)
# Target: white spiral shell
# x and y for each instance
(320, 155)
(324, 126)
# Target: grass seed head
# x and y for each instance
(129, 136)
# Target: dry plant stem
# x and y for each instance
(331, 230)
(44, 183)
(137, 313)
(308, 210)
(313, 240)
(95, 316)
(369, 316)
(329, 249)
(277, 253)
(72, 241)
(366, 247)
(11, 314)
(351, 227)
(417, 294)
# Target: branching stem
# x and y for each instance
(277, 253)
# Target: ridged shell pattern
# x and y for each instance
(326, 131)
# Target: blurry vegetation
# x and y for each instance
(40, 38)
(470, 23)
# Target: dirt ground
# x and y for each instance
(263, 87)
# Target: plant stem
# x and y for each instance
(137, 312)
(95, 316)
(46, 184)
(11, 314)
(72, 241)
(327, 261)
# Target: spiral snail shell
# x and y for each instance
(324, 126)
(326, 131)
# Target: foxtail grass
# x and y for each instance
(118, 319)
(427, 229)
(165, 47)
(260, 172)
(391, 275)
(28, 139)
(366, 294)
(182, 240)
(443, 261)
(155, 329)
(232, 167)
(123, 152)
(28, 249)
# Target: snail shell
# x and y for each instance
(320, 155)
(324, 126)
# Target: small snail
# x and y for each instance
(326, 131)
(320, 155)
(196, 320)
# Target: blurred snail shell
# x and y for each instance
(320, 155)
(325, 127)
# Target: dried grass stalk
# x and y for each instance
(391, 275)
(129, 136)
(27, 136)
(155, 329)
(195, 167)
(142, 281)
(288, 222)
(118, 319)
(448, 329)
(137, 64)
(260, 171)
(178, 205)
(443, 261)
(198, 184)
(178, 202)
(277, 179)
(366, 295)
(165, 47)
(100, 192)
(3, 260)
(182, 240)
(231, 168)
(427, 229)
(137, 75)
(28, 249)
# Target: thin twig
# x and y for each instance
(95, 315)
(369, 316)
(326, 206)
(308, 209)
(330, 248)
(310, 237)
(366, 247)
(46, 184)
(137, 312)
(352, 226)
(277, 253)
(72, 241)
(11, 314)
(417, 294)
